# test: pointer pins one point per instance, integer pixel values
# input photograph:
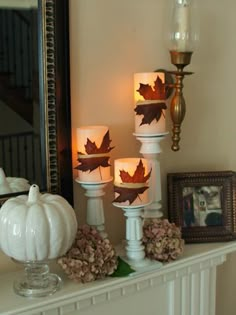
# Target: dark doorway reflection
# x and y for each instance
(20, 148)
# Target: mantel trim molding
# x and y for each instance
(196, 267)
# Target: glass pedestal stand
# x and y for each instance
(134, 253)
(150, 149)
(95, 210)
(37, 281)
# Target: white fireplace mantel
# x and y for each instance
(184, 287)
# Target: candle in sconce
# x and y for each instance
(131, 181)
(93, 146)
(182, 35)
(182, 22)
(150, 103)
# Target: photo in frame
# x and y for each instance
(203, 204)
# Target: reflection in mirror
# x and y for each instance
(35, 135)
(10, 185)
(19, 96)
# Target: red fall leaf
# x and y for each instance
(91, 163)
(91, 147)
(156, 93)
(150, 112)
(130, 194)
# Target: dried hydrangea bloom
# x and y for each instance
(91, 257)
(162, 240)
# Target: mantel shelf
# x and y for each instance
(89, 298)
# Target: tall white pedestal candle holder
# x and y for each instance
(95, 209)
(150, 93)
(93, 143)
(151, 149)
(131, 194)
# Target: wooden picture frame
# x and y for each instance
(203, 204)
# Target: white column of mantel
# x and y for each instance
(185, 296)
(193, 291)
(212, 293)
(193, 294)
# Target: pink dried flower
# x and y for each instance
(91, 257)
(162, 240)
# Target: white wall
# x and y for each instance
(111, 40)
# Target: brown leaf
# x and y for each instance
(90, 164)
(137, 177)
(148, 93)
(150, 112)
(128, 194)
(159, 89)
(91, 147)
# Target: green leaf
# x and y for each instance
(123, 269)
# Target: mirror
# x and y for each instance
(35, 125)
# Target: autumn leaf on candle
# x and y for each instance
(150, 112)
(91, 163)
(137, 177)
(91, 147)
(130, 194)
(158, 92)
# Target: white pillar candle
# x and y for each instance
(90, 139)
(131, 176)
(182, 20)
(150, 103)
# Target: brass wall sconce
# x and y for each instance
(178, 107)
(182, 39)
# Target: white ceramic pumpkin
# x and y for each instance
(36, 227)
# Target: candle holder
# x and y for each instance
(37, 280)
(183, 37)
(134, 249)
(94, 192)
(93, 143)
(151, 149)
(150, 103)
(178, 107)
(150, 95)
(131, 195)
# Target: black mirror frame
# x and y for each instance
(55, 94)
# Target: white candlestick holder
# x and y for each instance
(94, 191)
(134, 250)
(150, 149)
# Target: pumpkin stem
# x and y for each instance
(33, 193)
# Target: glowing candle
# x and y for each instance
(131, 181)
(150, 103)
(93, 145)
(182, 22)
(183, 33)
